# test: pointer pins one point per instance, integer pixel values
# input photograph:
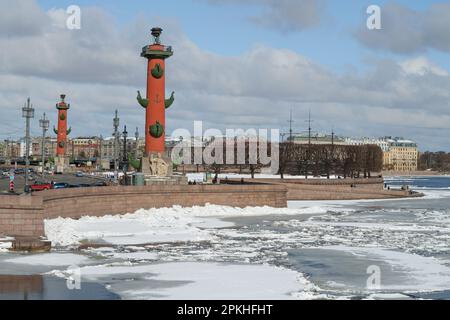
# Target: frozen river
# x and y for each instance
(392, 249)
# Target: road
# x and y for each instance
(19, 181)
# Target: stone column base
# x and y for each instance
(156, 165)
(30, 244)
(172, 180)
(62, 164)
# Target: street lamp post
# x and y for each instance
(44, 123)
(27, 113)
(136, 135)
(116, 122)
(125, 158)
(89, 150)
(100, 166)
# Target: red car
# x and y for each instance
(41, 186)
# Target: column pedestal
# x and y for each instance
(158, 170)
(62, 164)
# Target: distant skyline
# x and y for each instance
(237, 64)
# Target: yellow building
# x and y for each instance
(402, 156)
(2, 149)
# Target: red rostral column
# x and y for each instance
(62, 131)
(155, 103)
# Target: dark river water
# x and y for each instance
(38, 287)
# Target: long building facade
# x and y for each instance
(399, 154)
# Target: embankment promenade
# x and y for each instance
(424, 173)
(336, 189)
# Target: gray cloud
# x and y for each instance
(20, 18)
(405, 30)
(99, 68)
(283, 15)
(97, 53)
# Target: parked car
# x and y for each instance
(80, 185)
(85, 185)
(71, 186)
(61, 185)
(40, 186)
(79, 174)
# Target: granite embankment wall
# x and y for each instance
(24, 215)
(119, 200)
(343, 189)
(21, 216)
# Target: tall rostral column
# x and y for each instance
(61, 161)
(155, 103)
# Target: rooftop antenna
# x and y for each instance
(290, 127)
(332, 136)
(309, 127)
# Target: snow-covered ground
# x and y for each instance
(176, 224)
(5, 244)
(268, 176)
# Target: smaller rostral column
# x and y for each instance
(61, 161)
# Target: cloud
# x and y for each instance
(405, 30)
(21, 18)
(96, 53)
(100, 69)
(422, 66)
(283, 15)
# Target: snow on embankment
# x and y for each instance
(5, 245)
(176, 224)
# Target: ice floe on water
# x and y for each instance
(414, 273)
(129, 254)
(194, 280)
(435, 193)
(49, 259)
(382, 228)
